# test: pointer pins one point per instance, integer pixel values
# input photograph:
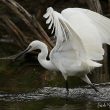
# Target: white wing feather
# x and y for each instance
(102, 23)
(69, 49)
(92, 28)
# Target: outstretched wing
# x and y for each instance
(92, 28)
(69, 49)
(102, 23)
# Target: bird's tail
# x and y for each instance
(93, 63)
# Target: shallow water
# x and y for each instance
(55, 98)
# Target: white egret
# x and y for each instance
(79, 35)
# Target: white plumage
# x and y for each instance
(79, 41)
(79, 35)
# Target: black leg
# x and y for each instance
(66, 82)
(93, 86)
(67, 90)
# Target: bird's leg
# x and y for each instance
(66, 80)
(86, 79)
(67, 89)
(93, 86)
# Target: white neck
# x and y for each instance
(42, 57)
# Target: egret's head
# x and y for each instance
(34, 45)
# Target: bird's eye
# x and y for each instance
(30, 46)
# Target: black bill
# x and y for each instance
(21, 53)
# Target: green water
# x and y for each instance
(51, 104)
(49, 98)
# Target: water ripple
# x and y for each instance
(78, 94)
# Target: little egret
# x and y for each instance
(79, 35)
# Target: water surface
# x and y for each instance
(54, 98)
